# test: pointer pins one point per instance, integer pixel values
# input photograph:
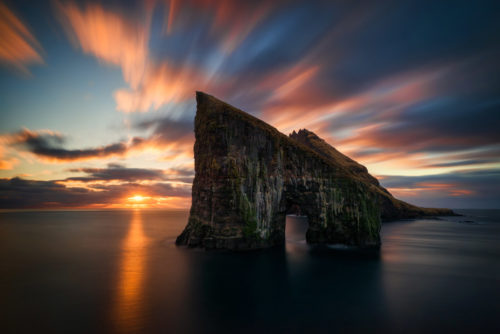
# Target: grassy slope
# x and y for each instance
(393, 208)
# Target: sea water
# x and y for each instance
(120, 272)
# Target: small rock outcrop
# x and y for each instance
(248, 176)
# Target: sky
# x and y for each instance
(97, 99)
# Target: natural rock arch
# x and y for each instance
(247, 174)
(247, 171)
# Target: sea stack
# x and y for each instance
(248, 176)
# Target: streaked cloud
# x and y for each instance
(161, 84)
(230, 20)
(110, 37)
(166, 132)
(117, 40)
(18, 46)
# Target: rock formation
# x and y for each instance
(248, 176)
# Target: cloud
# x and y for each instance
(166, 131)
(18, 47)
(110, 37)
(154, 81)
(418, 119)
(464, 189)
(176, 136)
(118, 40)
(231, 21)
(17, 193)
(162, 84)
(6, 162)
(48, 145)
(390, 84)
(119, 174)
(114, 172)
(114, 186)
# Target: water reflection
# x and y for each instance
(128, 306)
(295, 235)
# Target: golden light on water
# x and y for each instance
(128, 305)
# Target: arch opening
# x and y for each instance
(296, 222)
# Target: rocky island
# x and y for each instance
(248, 176)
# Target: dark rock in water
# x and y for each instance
(468, 222)
(249, 175)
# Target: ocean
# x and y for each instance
(120, 272)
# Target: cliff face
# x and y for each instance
(248, 174)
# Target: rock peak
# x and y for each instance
(200, 96)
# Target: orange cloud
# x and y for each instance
(109, 37)
(232, 21)
(423, 189)
(116, 40)
(162, 84)
(18, 47)
(360, 125)
(305, 105)
(6, 163)
(461, 192)
(289, 81)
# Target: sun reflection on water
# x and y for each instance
(128, 306)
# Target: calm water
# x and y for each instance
(119, 271)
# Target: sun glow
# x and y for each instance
(138, 201)
(137, 198)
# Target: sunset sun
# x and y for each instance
(137, 198)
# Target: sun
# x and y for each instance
(137, 198)
(138, 201)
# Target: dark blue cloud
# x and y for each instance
(50, 145)
(163, 131)
(116, 172)
(482, 188)
(17, 193)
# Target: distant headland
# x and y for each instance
(249, 176)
